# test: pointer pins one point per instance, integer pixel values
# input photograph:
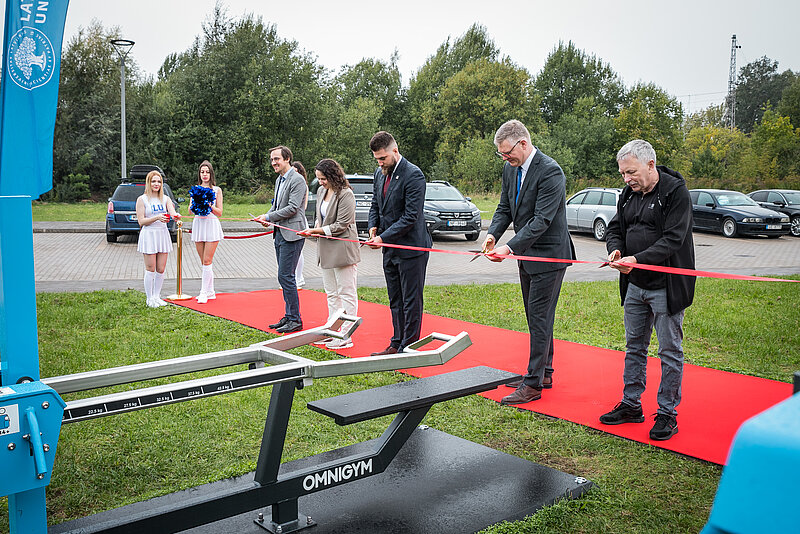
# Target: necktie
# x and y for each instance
(519, 183)
(386, 184)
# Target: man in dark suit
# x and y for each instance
(396, 216)
(533, 197)
(287, 210)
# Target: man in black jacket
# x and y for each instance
(396, 216)
(653, 225)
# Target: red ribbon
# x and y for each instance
(644, 266)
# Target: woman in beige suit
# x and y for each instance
(336, 216)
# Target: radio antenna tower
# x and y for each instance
(731, 100)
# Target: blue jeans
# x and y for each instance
(645, 308)
(288, 253)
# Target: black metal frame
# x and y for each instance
(280, 492)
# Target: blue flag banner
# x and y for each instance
(34, 31)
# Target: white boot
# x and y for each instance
(149, 278)
(207, 285)
(157, 285)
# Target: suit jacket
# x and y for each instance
(399, 217)
(288, 207)
(540, 220)
(339, 221)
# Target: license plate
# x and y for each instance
(456, 223)
(363, 203)
(773, 227)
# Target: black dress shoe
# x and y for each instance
(280, 323)
(522, 395)
(388, 350)
(290, 326)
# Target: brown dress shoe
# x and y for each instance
(547, 383)
(522, 395)
(386, 351)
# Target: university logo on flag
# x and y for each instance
(31, 60)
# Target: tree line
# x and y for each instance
(240, 89)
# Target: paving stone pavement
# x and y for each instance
(76, 257)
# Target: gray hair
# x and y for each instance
(639, 149)
(512, 130)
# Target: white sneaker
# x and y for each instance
(161, 302)
(301, 282)
(152, 303)
(340, 344)
(211, 296)
(202, 298)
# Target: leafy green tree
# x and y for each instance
(476, 100)
(759, 84)
(570, 74)
(420, 134)
(377, 81)
(713, 115)
(776, 146)
(589, 133)
(476, 167)
(88, 113)
(653, 115)
(789, 105)
(347, 138)
(716, 152)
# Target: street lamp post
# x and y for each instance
(123, 47)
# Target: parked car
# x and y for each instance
(121, 213)
(783, 200)
(591, 209)
(362, 188)
(447, 211)
(734, 213)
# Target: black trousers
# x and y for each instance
(540, 295)
(405, 281)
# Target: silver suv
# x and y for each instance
(591, 209)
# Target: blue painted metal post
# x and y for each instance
(19, 338)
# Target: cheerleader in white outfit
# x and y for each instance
(207, 230)
(153, 210)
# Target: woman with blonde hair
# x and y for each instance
(153, 210)
(206, 203)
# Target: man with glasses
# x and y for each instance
(288, 211)
(533, 198)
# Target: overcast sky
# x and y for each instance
(682, 46)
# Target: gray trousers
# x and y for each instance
(645, 308)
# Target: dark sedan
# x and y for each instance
(447, 211)
(734, 213)
(783, 200)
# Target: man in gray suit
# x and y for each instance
(533, 197)
(287, 210)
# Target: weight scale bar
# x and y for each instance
(284, 367)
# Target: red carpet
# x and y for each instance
(587, 380)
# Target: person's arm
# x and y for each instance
(171, 208)
(216, 209)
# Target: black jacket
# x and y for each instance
(675, 248)
(399, 217)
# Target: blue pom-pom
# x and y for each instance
(202, 199)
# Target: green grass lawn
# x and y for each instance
(748, 327)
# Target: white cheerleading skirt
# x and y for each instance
(154, 238)
(206, 228)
